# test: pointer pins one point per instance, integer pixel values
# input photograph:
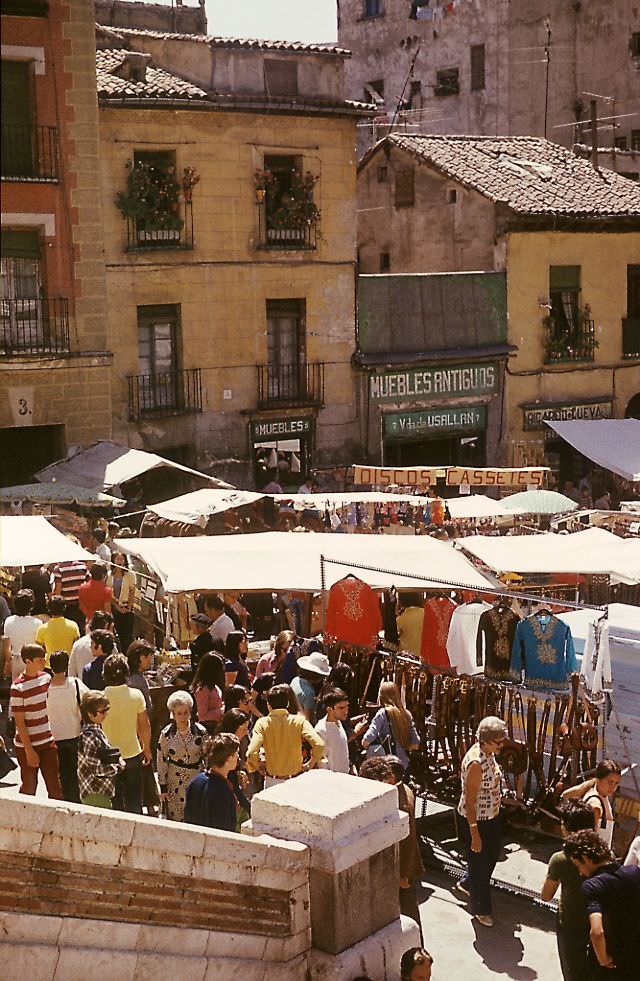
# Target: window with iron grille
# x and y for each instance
(477, 67)
(404, 187)
(158, 330)
(564, 295)
(447, 82)
(280, 76)
(286, 348)
(373, 8)
(633, 291)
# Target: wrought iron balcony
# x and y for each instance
(29, 153)
(291, 384)
(302, 235)
(165, 394)
(631, 337)
(577, 344)
(35, 326)
(143, 236)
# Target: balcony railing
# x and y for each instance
(562, 345)
(35, 326)
(291, 384)
(29, 153)
(142, 236)
(298, 236)
(165, 394)
(631, 337)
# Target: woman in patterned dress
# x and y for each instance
(180, 753)
(479, 816)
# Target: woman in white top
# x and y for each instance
(479, 816)
(19, 629)
(596, 793)
(63, 708)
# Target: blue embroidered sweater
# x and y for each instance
(543, 648)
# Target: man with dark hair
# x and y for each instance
(101, 647)
(67, 578)
(572, 926)
(416, 965)
(280, 737)
(19, 629)
(612, 898)
(95, 594)
(332, 732)
(221, 623)
(81, 650)
(102, 549)
(34, 745)
(37, 579)
(139, 657)
(58, 633)
(210, 799)
(377, 768)
(203, 642)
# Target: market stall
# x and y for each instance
(32, 540)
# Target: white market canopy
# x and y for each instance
(593, 551)
(31, 540)
(466, 506)
(195, 508)
(479, 506)
(282, 561)
(104, 464)
(59, 494)
(611, 443)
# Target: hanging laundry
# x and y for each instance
(494, 642)
(409, 625)
(543, 648)
(463, 632)
(353, 613)
(435, 630)
(596, 660)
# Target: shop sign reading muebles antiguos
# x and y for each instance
(455, 476)
(451, 382)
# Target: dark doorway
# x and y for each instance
(26, 449)
(449, 451)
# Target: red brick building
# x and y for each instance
(54, 363)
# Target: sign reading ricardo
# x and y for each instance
(415, 383)
(274, 428)
(536, 416)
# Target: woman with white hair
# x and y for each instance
(479, 816)
(180, 753)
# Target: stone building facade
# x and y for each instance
(511, 67)
(232, 334)
(566, 236)
(54, 358)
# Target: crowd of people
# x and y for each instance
(81, 712)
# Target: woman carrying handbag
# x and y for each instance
(391, 732)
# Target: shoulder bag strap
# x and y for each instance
(75, 682)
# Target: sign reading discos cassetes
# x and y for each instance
(451, 382)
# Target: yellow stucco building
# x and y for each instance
(567, 238)
(232, 320)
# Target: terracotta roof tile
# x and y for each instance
(238, 42)
(530, 175)
(158, 84)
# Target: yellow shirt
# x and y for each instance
(121, 721)
(280, 735)
(57, 634)
(410, 629)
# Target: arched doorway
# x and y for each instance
(633, 408)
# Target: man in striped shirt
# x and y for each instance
(68, 577)
(34, 745)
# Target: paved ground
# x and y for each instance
(521, 945)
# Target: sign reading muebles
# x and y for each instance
(273, 428)
(449, 382)
(411, 425)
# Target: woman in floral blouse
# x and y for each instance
(180, 753)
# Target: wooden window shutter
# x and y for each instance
(404, 195)
(280, 77)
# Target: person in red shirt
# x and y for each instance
(95, 594)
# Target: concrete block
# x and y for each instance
(97, 934)
(166, 939)
(158, 967)
(18, 928)
(76, 963)
(30, 961)
(377, 957)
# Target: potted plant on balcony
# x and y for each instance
(264, 181)
(151, 200)
(189, 180)
(291, 211)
